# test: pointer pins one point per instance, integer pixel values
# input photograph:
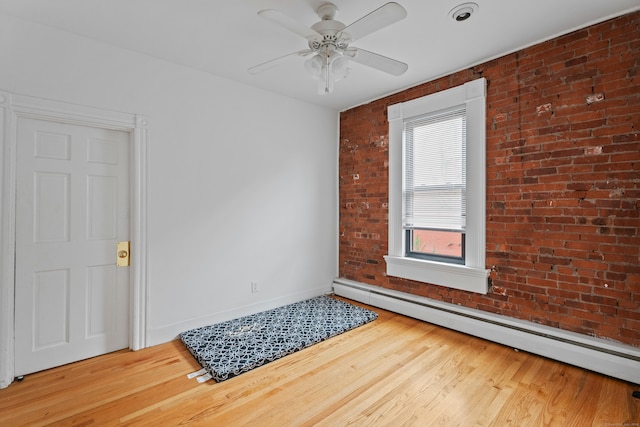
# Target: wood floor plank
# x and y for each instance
(394, 371)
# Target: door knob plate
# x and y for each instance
(122, 252)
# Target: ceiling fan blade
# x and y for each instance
(379, 62)
(383, 16)
(277, 61)
(287, 22)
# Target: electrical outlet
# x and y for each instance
(254, 286)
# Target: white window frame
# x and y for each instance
(473, 275)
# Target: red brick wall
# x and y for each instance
(563, 184)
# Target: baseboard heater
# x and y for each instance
(610, 358)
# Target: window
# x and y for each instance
(437, 188)
(434, 185)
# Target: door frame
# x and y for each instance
(14, 106)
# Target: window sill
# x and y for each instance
(472, 279)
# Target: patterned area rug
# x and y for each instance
(230, 348)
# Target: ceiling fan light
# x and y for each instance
(340, 67)
(314, 66)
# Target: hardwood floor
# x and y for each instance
(394, 371)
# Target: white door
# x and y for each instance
(72, 207)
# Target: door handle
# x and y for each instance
(122, 258)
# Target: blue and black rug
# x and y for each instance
(236, 346)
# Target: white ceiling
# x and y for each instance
(227, 37)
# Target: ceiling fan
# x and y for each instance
(329, 43)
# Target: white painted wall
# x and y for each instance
(242, 182)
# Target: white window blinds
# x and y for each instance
(434, 169)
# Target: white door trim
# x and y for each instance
(13, 106)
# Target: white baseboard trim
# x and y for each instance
(166, 333)
(606, 357)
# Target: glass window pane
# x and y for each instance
(437, 242)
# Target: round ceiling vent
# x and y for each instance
(463, 11)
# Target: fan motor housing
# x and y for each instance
(328, 27)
